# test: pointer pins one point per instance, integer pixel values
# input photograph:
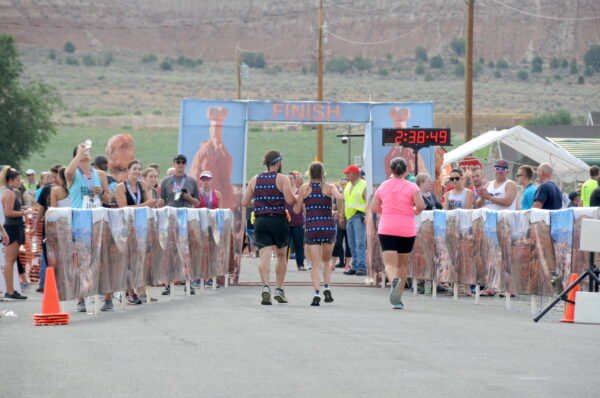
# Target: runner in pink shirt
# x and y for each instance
(398, 201)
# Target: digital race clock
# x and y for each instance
(416, 137)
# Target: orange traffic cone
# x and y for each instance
(570, 308)
(51, 314)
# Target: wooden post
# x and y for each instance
(320, 80)
(469, 72)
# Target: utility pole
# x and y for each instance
(320, 80)
(469, 72)
(239, 73)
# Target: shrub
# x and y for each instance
(477, 70)
(589, 71)
(88, 60)
(554, 63)
(70, 60)
(574, 67)
(501, 64)
(137, 112)
(523, 75)
(557, 77)
(557, 118)
(147, 59)
(421, 54)
(454, 61)
(564, 63)
(186, 62)
(481, 60)
(166, 65)
(69, 47)
(254, 60)
(360, 63)
(497, 74)
(389, 56)
(108, 59)
(199, 61)
(458, 45)
(338, 65)
(536, 65)
(157, 112)
(52, 55)
(459, 70)
(420, 70)
(428, 77)
(491, 64)
(437, 62)
(581, 80)
(383, 72)
(592, 57)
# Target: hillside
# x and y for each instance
(285, 29)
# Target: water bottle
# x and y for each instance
(89, 305)
(428, 288)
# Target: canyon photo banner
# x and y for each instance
(509, 250)
(99, 251)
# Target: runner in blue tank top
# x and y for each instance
(316, 196)
(267, 193)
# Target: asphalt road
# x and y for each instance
(223, 343)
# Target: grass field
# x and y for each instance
(298, 148)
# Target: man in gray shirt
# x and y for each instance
(180, 190)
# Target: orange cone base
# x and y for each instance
(51, 319)
(570, 308)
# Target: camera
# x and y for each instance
(184, 191)
(345, 140)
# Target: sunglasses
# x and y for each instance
(454, 178)
(205, 178)
(180, 162)
(498, 168)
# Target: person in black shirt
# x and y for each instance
(425, 184)
(595, 197)
(44, 202)
(547, 195)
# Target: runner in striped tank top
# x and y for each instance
(267, 193)
(316, 197)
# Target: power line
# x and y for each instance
(545, 16)
(374, 43)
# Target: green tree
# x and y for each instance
(564, 63)
(523, 75)
(592, 57)
(420, 70)
(580, 80)
(428, 77)
(501, 64)
(557, 118)
(421, 54)
(437, 62)
(254, 60)
(26, 108)
(166, 65)
(589, 71)
(554, 63)
(338, 65)
(147, 59)
(574, 67)
(88, 60)
(69, 47)
(459, 70)
(536, 65)
(458, 45)
(360, 63)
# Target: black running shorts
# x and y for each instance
(400, 244)
(271, 231)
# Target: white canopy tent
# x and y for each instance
(567, 167)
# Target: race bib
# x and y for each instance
(92, 202)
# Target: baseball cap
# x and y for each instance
(180, 157)
(30, 172)
(206, 173)
(501, 163)
(352, 169)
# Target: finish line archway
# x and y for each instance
(213, 134)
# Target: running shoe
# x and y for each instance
(361, 272)
(14, 296)
(266, 296)
(280, 296)
(40, 290)
(316, 301)
(328, 296)
(134, 299)
(167, 290)
(196, 284)
(107, 306)
(145, 299)
(395, 295)
(81, 306)
(25, 286)
(398, 306)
